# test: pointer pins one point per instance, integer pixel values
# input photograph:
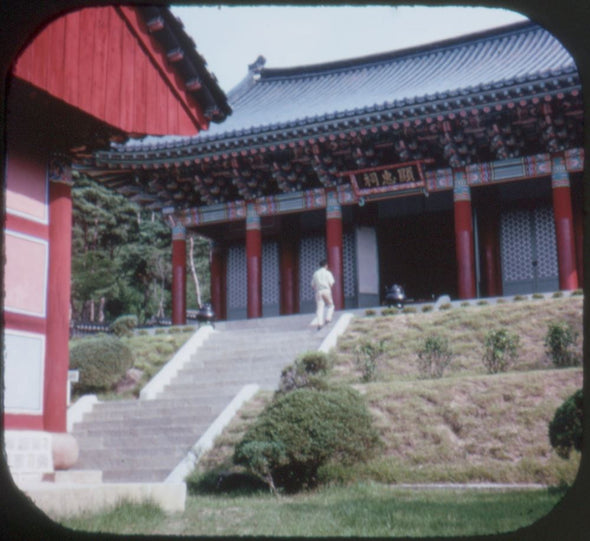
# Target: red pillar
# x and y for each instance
(334, 247)
(178, 275)
(491, 253)
(464, 238)
(564, 228)
(254, 262)
(58, 307)
(289, 275)
(579, 235)
(218, 280)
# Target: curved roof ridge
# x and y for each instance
(362, 62)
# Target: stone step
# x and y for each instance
(151, 436)
(144, 440)
(135, 475)
(117, 441)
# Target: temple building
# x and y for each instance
(87, 79)
(451, 168)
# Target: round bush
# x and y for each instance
(565, 430)
(124, 325)
(102, 362)
(501, 350)
(306, 371)
(559, 341)
(303, 430)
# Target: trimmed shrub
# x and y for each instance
(367, 354)
(559, 340)
(445, 306)
(389, 311)
(221, 481)
(369, 312)
(434, 356)
(303, 430)
(565, 430)
(410, 310)
(124, 325)
(427, 308)
(307, 371)
(102, 362)
(501, 350)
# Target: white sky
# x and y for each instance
(230, 37)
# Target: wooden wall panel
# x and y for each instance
(103, 61)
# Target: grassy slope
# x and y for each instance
(467, 426)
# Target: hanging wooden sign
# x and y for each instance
(387, 180)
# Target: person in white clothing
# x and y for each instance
(322, 282)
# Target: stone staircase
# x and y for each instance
(144, 440)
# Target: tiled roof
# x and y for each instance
(513, 56)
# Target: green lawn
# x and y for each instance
(361, 510)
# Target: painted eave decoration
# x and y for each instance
(506, 96)
(134, 68)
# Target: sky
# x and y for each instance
(231, 37)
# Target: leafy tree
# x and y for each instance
(103, 222)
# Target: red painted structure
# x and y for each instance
(178, 275)
(564, 226)
(89, 78)
(254, 265)
(334, 248)
(464, 238)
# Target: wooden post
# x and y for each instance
(254, 262)
(465, 252)
(564, 228)
(178, 275)
(334, 247)
(58, 306)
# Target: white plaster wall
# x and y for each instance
(23, 372)
(367, 261)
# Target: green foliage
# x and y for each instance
(302, 430)
(121, 257)
(124, 325)
(367, 354)
(102, 362)
(501, 350)
(307, 371)
(222, 481)
(427, 308)
(370, 312)
(434, 356)
(445, 306)
(557, 295)
(559, 340)
(389, 311)
(409, 310)
(565, 429)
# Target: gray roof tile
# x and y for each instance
(468, 65)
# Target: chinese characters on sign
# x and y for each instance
(387, 180)
(388, 177)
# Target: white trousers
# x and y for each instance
(323, 300)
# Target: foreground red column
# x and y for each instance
(254, 262)
(289, 274)
(58, 306)
(579, 236)
(334, 247)
(491, 252)
(464, 238)
(218, 280)
(564, 228)
(178, 275)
